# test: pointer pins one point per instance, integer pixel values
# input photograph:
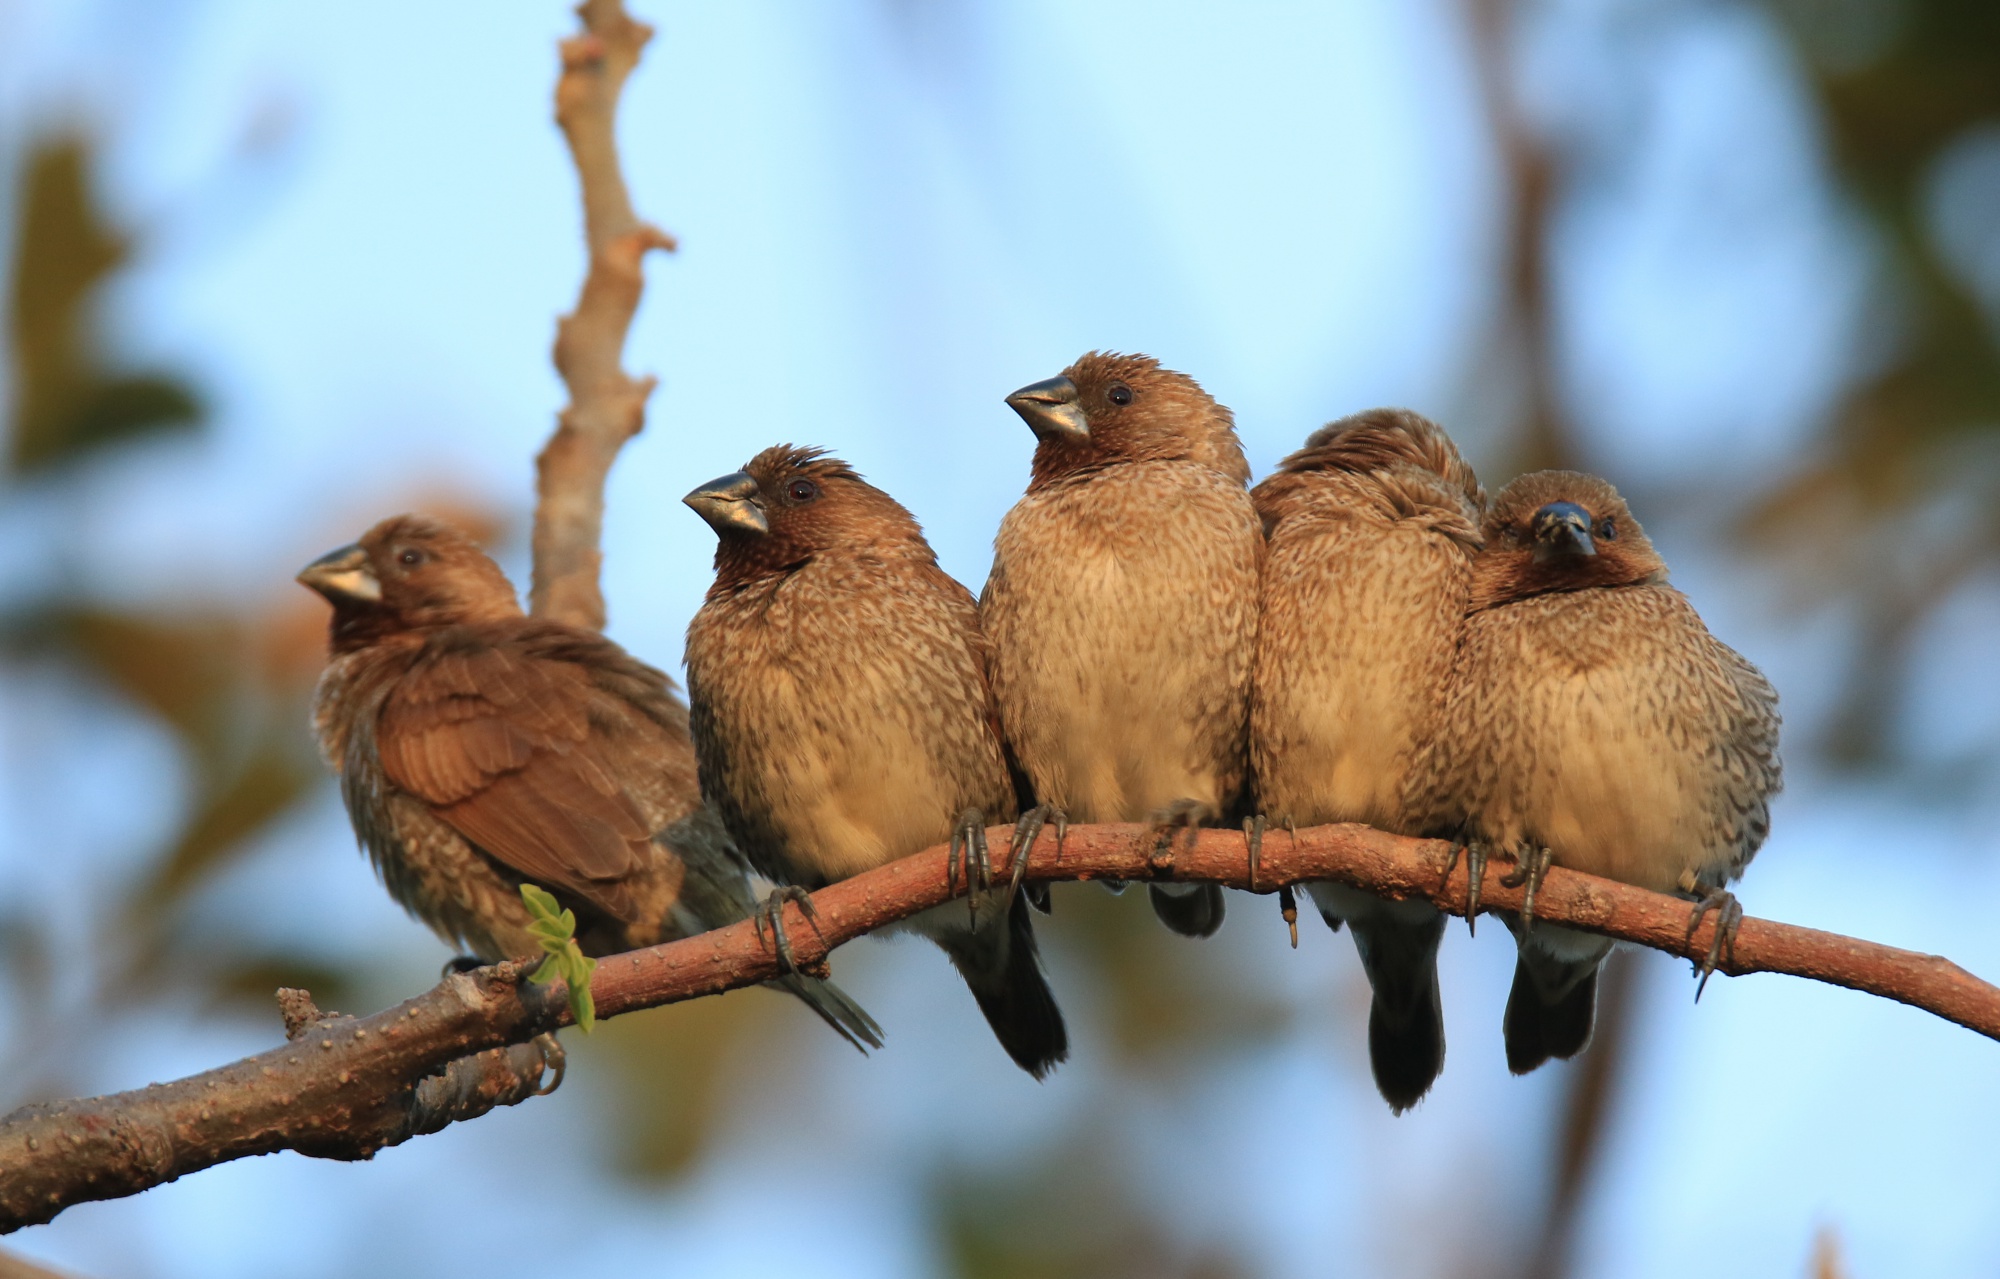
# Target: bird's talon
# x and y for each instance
(1288, 906)
(1529, 870)
(1253, 840)
(554, 1059)
(773, 911)
(1475, 879)
(1729, 917)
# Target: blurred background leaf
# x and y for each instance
(66, 406)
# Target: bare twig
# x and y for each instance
(606, 406)
(347, 1087)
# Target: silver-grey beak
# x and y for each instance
(1563, 528)
(343, 576)
(1050, 410)
(729, 504)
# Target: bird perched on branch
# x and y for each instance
(1122, 609)
(479, 748)
(1371, 528)
(841, 716)
(1594, 723)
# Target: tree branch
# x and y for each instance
(346, 1087)
(606, 406)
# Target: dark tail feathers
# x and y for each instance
(1004, 970)
(1195, 914)
(849, 1020)
(1405, 1020)
(1540, 1026)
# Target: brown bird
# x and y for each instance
(479, 748)
(841, 715)
(1372, 528)
(1594, 723)
(1122, 608)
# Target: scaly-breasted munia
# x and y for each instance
(1122, 607)
(1594, 723)
(841, 714)
(1371, 528)
(479, 748)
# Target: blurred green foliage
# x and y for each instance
(208, 675)
(1899, 505)
(66, 406)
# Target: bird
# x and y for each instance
(1593, 722)
(1371, 529)
(479, 749)
(842, 719)
(1122, 610)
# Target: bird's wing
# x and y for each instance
(506, 749)
(1751, 768)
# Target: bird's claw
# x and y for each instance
(1729, 918)
(1253, 843)
(461, 964)
(1187, 814)
(1532, 867)
(554, 1059)
(968, 842)
(772, 913)
(1026, 832)
(1475, 879)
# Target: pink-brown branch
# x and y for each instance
(607, 406)
(346, 1087)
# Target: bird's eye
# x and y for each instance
(1119, 394)
(1608, 530)
(410, 558)
(803, 490)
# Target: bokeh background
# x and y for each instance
(276, 271)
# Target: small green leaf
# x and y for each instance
(541, 902)
(556, 931)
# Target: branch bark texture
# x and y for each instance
(606, 405)
(345, 1087)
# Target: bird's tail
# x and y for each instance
(1192, 910)
(1405, 1019)
(835, 1007)
(1553, 1004)
(1001, 964)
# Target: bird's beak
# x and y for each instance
(1562, 528)
(343, 576)
(1050, 410)
(730, 504)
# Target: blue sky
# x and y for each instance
(888, 223)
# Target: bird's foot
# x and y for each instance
(1184, 814)
(969, 851)
(1253, 845)
(1288, 907)
(1026, 832)
(554, 1059)
(1530, 869)
(1474, 853)
(461, 964)
(1729, 918)
(771, 913)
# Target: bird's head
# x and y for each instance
(1561, 531)
(1403, 457)
(1108, 408)
(788, 505)
(409, 572)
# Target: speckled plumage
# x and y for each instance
(1592, 713)
(478, 748)
(837, 678)
(1122, 605)
(1372, 526)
